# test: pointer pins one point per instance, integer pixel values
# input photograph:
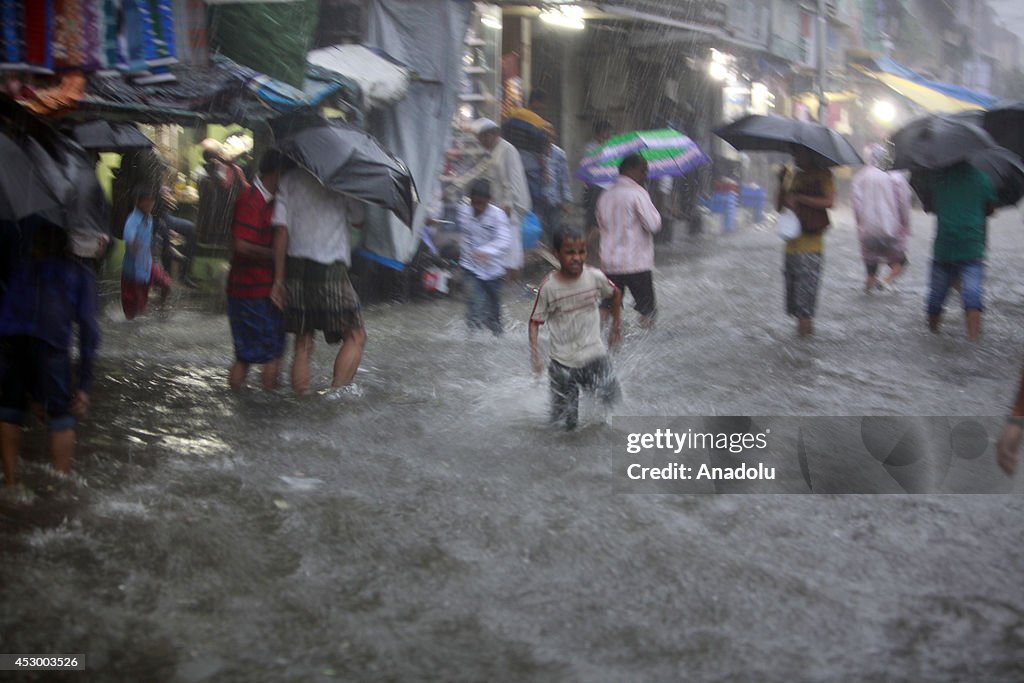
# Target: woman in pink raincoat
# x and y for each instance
(881, 206)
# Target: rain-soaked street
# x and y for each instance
(428, 524)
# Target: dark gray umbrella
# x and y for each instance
(23, 187)
(1003, 167)
(1005, 124)
(347, 160)
(1006, 171)
(934, 142)
(756, 132)
(107, 136)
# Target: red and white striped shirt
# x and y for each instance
(627, 220)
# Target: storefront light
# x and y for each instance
(564, 16)
(490, 15)
(718, 71)
(884, 111)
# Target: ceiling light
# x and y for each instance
(564, 16)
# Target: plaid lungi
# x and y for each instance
(320, 297)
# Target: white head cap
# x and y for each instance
(484, 125)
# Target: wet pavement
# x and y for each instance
(427, 524)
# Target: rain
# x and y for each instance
(428, 520)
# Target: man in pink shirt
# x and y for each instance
(627, 220)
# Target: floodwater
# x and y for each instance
(428, 525)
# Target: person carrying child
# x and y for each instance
(139, 270)
(567, 301)
(46, 293)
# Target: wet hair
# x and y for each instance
(272, 161)
(144, 193)
(538, 96)
(631, 162)
(480, 188)
(210, 155)
(563, 234)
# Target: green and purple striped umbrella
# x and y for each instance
(668, 153)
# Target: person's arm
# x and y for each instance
(516, 191)
(279, 222)
(536, 361)
(615, 331)
(245, 250)
(501, 241)
(280, 249)
(88, 342)
(563, 171)
(822, 202)
(647, 213)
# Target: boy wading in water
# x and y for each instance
(567, 301)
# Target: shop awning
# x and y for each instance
(933, 96)
(381, 80)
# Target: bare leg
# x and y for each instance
(973, 317)
(647, 321)
(10, 448)
(271, 374)
(300, 364)
(894, 272)
(236, 377)
(347, 361)
(805, 326)
(869, 284)
(933, 322)
(62, 448)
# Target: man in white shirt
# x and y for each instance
(508, 186)
(486, 237)
(628, 220)
(311, 284)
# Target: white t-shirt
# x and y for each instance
(569, 309)
(317, 218)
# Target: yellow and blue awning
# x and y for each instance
(933, 96)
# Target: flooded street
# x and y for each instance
(427, 524)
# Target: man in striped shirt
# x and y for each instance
(257, 325)
(627, 221)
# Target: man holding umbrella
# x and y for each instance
(962, 198)
(311, 284)
(627, 220)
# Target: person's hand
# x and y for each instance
(101, 244)
(614, 336)
(537, 363)
(80, 404)
(277, 294)
(1008, 447)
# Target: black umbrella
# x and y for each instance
(347, 160)
(1003, 167)
(108, 136)
(756, 132)
(1006, 125)
(1006, 171)
(23, 190)
(934, 142)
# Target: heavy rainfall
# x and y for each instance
(197, 487)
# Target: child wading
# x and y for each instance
(568, 302)
(138, 270)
